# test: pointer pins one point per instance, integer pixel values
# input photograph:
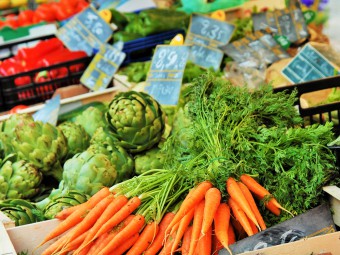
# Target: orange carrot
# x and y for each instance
(174, 228)
(212, 201)
(122, 214)
(221, 222)
(145, 239)
(231, 235)
(195, 196)
(183, 225)
(204, 244)
(110, 210)
(56, 246)
(157, 244)
(168, 244)
(216, 244)
(260, 191)
(126, 245)
(196, 226)
(240, 216)
(132, 228)
(252, 204)
(76, 216)
(103, 240)
(104, 192)
(74, 244)
(186, 241)
(91, 217)
(236, 194)
(269, 205)
(239, 231)
(253, 227)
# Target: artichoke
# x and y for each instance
(88, 172)
(43, 145)
(77, 138)
(19, 180)
(136, 120)
(60, 199)
(9, 125)
(91, 119)
(151, 159)
(21, 211)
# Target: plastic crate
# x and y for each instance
(35, 92)
(141, 49)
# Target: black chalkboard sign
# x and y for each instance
(309, 65)
(166, 72)
(86, 31)
(205, 35)
(104, 65)
(314, 222)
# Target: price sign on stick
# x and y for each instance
(86, 31)
(166, 72)
(104, 65)
(205, 35)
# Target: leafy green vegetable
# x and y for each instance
(243, 27)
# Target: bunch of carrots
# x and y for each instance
(111, 223)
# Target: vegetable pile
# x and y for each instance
(227, 146)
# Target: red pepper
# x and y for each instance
(10, 66)
(81, 5)
(25, 18)
(58, 73)
(22, 81)
(44, 12)
(15, 109)
(41, 49)
(53, 59)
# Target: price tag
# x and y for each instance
(205, 35)
(6, 246)
(308, 65)
(166, 72)
(104, 65)
(86, 31)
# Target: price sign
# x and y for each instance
(104, 65)
(309, 64)
(206, 34)
(86, 31)
(166, 72)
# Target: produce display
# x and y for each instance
(133, 176)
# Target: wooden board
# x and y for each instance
(6, 246)
(7, 222)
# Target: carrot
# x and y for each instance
(156, 245)
(216, 244)
(74, 244)
(75, 217)
(183, 225)
(204, 244)
(212, 201)
(270, 206)
(56, 246)
(231, 234)
(195, 196)
(221, 222)
(174, 228)
(122, 214)
(168, 244)
(132, 228)
(252, 204)
(126, 245)
(103, 240)
(186, 241)
(239, 231)
(260, 191)
(236, 194)
(253, 227)
(240, 216)
(91, 217)
(104, 192)
(145, 239)
(196, 226)
(110, 210)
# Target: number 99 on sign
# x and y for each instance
(166, 59)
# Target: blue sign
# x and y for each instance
(86, 31)
(308, 65)
(166, 72)
(206, 34)
(104, 65)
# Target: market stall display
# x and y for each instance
(231, 165)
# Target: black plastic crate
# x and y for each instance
(34, 91)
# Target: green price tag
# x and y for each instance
(283, 41)
(309, 16)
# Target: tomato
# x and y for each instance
(15, 109)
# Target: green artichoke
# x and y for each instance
(19, 180)
(77, 138)
(9, 125)
(21, 211)
(136, 120)
(88, 172)
(60, 199)
(151, 159)
(91, 119)
(43, 145)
